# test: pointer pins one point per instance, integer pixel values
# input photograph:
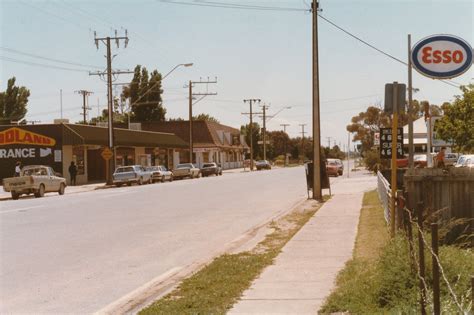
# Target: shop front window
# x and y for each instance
(78, 159)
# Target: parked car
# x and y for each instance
(211, 169)
(160, 173)
(332, 169)
(462, 159)
(419, 161)
(263, 165)
(186, 170)
(131, 174)
(450, 158)
(35, 179)
(403, 162)
(340, 165)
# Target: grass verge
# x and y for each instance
(380, 279)
(216, 287)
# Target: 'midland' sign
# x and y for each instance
(19, 136)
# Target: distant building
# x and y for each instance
(420, 136)
(57, 145)
(212, 142)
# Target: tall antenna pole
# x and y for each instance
(316, 113)
(251, 101)
(191, 95)
(61, 102)
(284, 130)
(302, 139)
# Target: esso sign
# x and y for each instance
(442, 56)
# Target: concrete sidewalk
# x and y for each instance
(69, 190)
(304, 272)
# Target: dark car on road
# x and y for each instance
(211, 169)
(263, 165)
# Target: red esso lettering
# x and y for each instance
(438, 56)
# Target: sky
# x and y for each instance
(252, 53)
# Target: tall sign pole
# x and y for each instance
(394, 157)
(410, 108)
(316, 117)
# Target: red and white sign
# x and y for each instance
(442, 56)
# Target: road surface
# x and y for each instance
(78, 253)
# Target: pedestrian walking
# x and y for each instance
(440, 158)
(17, 169)
(73, 173)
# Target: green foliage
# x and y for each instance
(256, 136)
(13, 101)
(457, 124)
(206, 117)
(381, 278)
(334, 153)
(373, 162)
(366, 124)
(144, 95)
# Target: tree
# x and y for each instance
(206, 117)
(13, 101)
(144, 94)
(256, 136)
(457, 123)
(366, 124)
(279, 144)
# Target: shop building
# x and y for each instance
(212, 142)
(57, 145)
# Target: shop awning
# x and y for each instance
(84, 134)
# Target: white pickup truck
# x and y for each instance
(36, 179)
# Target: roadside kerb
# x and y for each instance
(145, 295)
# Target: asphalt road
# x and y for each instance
(80, 252)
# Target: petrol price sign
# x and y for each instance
(386, 143)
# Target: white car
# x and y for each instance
(160, 173)
(462, 160)
(35, 179)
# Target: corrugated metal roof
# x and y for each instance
(84, 134)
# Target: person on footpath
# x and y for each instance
(440, 158)
(73, 173)
(17, 169)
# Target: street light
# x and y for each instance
(282, 109)
(177, 66)
(150, 88)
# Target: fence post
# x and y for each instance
(400, 206)
(472, 294)
(421, 253)
(434, 246)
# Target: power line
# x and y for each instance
(47, 58)
(41, 64)
(215, 4)
(373, 47)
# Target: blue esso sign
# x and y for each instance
(441, 56)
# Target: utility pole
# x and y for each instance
(251, 101)
(109, 72)
(302, 138)
(85, 108)
(284, 130)
(191, 96)
(316, 112)
(264, 110)
(329, 142)
(410, 108)
(348, 152)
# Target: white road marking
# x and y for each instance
(109, 309)
(21, 209)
